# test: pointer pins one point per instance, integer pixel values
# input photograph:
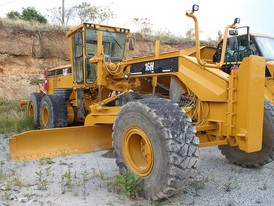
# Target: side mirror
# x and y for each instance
(236, 21)
(195, 7)
(233, 32)
(131, 45)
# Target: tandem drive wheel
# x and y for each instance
(53, 112)
(255, 159)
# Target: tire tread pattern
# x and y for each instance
(180, 144)
(263, 157)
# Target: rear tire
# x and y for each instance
(255, 159)
(33, 108)
(129, 97)
(53, 112)
(154, 139)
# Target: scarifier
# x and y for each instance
(154, 111)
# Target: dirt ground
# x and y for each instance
(87, 179)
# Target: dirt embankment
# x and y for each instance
(24, 55)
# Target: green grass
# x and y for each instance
(11, 119)
(164, 36)
(169, 38)
(32, 26)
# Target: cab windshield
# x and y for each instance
(113, 44)
(265, 46)
(113, 49)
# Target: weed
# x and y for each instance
(11, 120)
(231, 184)
(2, 162)
(35, 81)
(12, 172)
(199, 184)
(6, 196)
(8, 184)
(17, 182)
(28, 185)
(48, 171)
(67, 179)
(129, 184)
(45, 161)
(101, 174)
(41, 181)
(6, 136)
(2, 174)
(265, 186)
(24, 163)
(85, 178)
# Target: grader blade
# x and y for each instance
(60, 141)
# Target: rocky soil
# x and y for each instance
(60, 181)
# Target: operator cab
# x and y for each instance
(84, 46)
(242, 45)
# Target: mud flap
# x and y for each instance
(60, 141)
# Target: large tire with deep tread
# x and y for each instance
(53, 112)
(255, 159)
(169, 158)
(33, 108)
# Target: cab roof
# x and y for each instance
(97, 27)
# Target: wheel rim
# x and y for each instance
(45, 115)
(31, 109)
(138, 151)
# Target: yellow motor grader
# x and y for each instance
(154, 111)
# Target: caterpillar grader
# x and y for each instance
(155, 111)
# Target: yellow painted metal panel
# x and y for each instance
(60, 141)
(206, 84)
(250, 103)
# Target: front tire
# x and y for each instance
(154, 139)
(255, 159)
(53, 112)
(33, 108)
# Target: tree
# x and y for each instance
(31, 14)
(96, 14)
(82, 13)
(28, 14)
(104, 13)
(56, 15)
(85, 11)
(143, 24)
(13, 15)
(190, 33)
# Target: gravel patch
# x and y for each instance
(86, 179)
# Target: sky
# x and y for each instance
(169, 15)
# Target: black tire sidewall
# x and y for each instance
(260, 158)
(48, 102)
(57, 111)
(137, 118)
(35, 100)
(172, 139)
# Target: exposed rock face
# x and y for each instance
(33, 44)
(24, 55)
